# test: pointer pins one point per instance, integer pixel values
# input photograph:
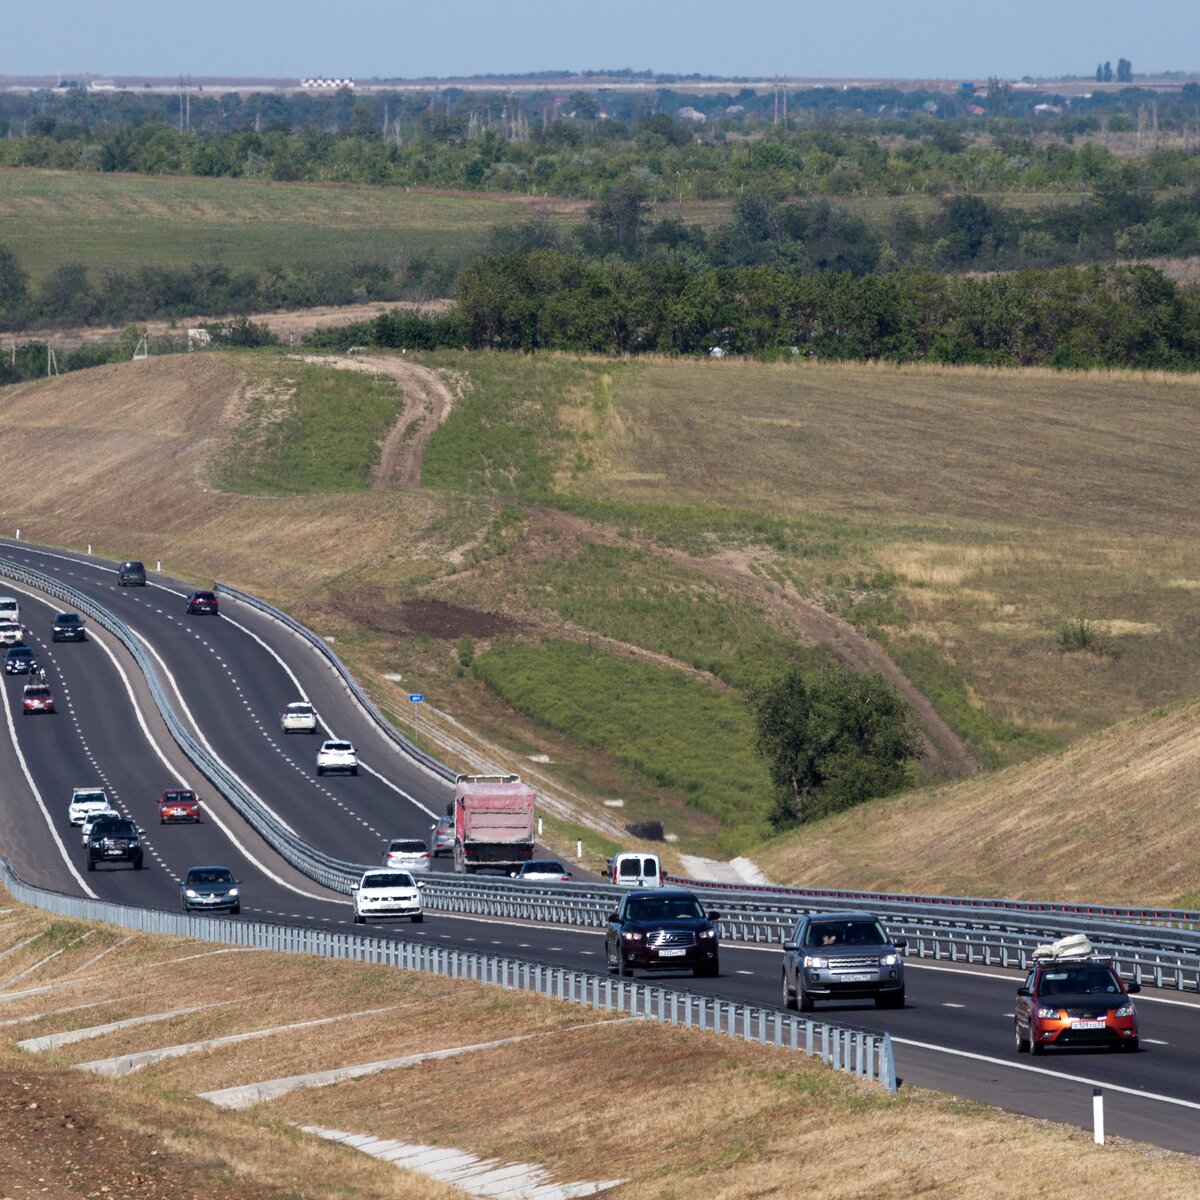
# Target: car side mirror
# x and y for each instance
(900, 943)
(713, 916)
(1024, 991)
(789, 945)
(420, 883)
(614, 917)
(354, 887)
(1133, 987)
(569, 875)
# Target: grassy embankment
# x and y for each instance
(962, 517)
(671, 1112)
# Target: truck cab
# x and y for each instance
(635, 869)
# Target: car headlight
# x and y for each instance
(815, 960)
(1126, 1010)
(888, 960)
(190, 893)
(708, 933)
(631, 935)
(1048, 1014)
(233, 891)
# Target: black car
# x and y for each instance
(210, 888)
(20, 660)
(202, 602)
(842, 956)
(131, 574)
(68, 627)
(114, 839)
(662, 929)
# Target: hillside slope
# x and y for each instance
(1116, 817)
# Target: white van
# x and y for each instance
(10, 610)
(634, 869)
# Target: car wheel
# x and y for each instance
(789, 998)
(804, 1002)
(353, 770)
(708, 970)
(233, 912)
(320, 770)
(137, 864)
(890, 1001)
(1022, 1044)
(623, 968)
(183, 908)
(359, 919)
(417, 918)
(91, 864)
(1035, 1047)
(1131, 1046)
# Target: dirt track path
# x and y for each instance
(946, 757)
(427, 403)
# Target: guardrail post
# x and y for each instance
(887, 1066)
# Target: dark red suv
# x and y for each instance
(662, 929)
(202, 602)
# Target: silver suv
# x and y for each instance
(843, 955)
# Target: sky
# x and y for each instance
(361, 39)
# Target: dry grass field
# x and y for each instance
(672, 1113)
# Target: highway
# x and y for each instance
(235, 673)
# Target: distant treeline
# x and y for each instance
(71, 295)
(1065, 317)
(564, 148)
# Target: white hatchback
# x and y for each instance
(11, 633)
(384, 893)
(100, 815)
(85, 801)
(299, 717)
(336, 755)
(407, 854)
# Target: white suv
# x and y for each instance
(384, 893)
(336, 755)
(10, 609)
(100, 815)
(299, 717)
(85, 801)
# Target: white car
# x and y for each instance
(299, 717)
(407, 854)
(92, 817)
(85, 801)
(384, 893)
(336, 755)
(11, 634)
(10, 609)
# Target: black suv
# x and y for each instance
(842, 956)
(68, 627)
(114, 839)
(662, 929)
(20, 660)
(202, 602)
(131, 574)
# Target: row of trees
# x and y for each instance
(70, 295)
(665, 156)
(1066, 317)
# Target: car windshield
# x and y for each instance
(547, 868)
(178, 797)
(388, 879)
(665, 908)
(301, 710)
(131, 566)
(407, 848)
(19, 652)
(112, 828)
(846, 933)
(209, 875)
(1077, 981)
(67, 619)
(340, 747)
(90, 798)
(37, 692)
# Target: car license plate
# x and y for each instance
(671, 953)
(856, 978)
(1088, 1024)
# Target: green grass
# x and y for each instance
(311, 429)
(121, 222)
(675, 732)
(635, 597)
(504, 437)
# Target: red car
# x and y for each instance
(179, 805)
(1075, 1002)
(37, 698)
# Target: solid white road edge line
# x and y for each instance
(1015, 1066)
(12, 733)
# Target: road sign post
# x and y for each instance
(416, 699)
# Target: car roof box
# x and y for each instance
(1078, 945)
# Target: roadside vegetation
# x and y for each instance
(601, 1099)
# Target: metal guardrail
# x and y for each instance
(987, 934)
(857, 1052)
(352, 685)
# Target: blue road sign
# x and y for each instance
(416, 697)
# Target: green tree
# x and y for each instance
(14, 286)
(1124, 70)
(1107, 73)
(831, 740)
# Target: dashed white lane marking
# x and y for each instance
(950, 1004)
(1154, 1042)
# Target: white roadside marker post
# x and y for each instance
(1098, 1116)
